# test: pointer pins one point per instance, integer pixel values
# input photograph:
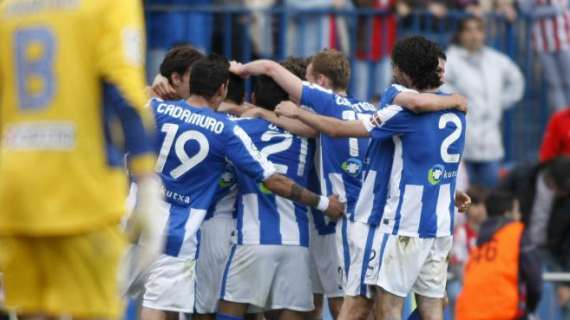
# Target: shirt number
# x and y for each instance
(451, 139)
(35, 52)
(186, 162)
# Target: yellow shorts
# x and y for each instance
(66, 275)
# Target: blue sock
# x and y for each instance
(222, 316)
(415, 315)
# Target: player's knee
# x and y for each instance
(335, 305)
(355, 308)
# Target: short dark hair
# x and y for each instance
(208, 75)
(178, 60)
(268, 94)
(236, 89)
(558, 170)
(417, 57)
(499, 202)
(334, 65)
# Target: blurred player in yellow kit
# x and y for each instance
(71, 106)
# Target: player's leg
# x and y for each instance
(317, 313)
(432, 278)
(292, 315)
(335, 304)
(154, 314)
(388, 306)
(430, 308)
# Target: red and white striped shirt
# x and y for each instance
(552, 33)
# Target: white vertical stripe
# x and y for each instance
(321, 171)
(363, 207)
(250, 226)
(226, 205)
(411, 211)
(192, 226)
(442, 211)
(337, 185)
(303, 155)
(288, 225)
(394, 186)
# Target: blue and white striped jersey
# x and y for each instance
(193, 145)
(421, 187)
(225, 197)
(319, 221)
(263, 217)
(341, 159)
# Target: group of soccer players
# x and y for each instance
(265, 207)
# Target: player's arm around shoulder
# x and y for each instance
(426, 102)
(328, 125)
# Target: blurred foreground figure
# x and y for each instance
(71, 97)
(503, 278)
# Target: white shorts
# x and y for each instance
(215, 245)
(326, 270)
(357, 251)
(269, 277)
(411, 264)
(170, 285)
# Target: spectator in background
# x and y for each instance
(544, 194)
(376, 36)
(556, 140)
(480, 8)
(503, 277)
(465, 240)
(309, 33)
(492, 83)
(551, 37)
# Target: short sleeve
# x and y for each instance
(390, 121)
(319, 99)
(243, 154)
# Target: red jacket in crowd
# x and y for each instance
(557, 137)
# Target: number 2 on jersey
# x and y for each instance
(186, 162)
(449, 140)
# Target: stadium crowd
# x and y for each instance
(301, 190)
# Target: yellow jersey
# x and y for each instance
(71, 105)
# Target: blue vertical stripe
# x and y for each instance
(269, 221)
(382, 249)
(226, 271)
(428, 218)
(345, 247)
(176, 229)
(301, 216)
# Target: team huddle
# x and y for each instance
(305, 191)
(261, 207)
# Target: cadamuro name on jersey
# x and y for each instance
(187, 116)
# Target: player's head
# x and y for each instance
(416, 61)
(558, 175)
(209, 78)
(502, 203)
(236, 89)
(470, 33)
(442, 60)
(330, 69)
(477, 212)
(176, 67)
(267, 93)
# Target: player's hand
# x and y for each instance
(163, 89)
(335, 209)
(461, 102)
(145, 225)
(462, 201)
(287, 109)
(238, 68)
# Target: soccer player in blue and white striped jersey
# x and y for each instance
(268, 269)
(194, 142)
(416, 192)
